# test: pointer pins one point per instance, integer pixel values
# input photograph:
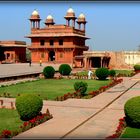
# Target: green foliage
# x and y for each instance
(136, 67)
(52, 87)
(131, 132)
(82, 73)
(49, 72)
(102, 73)
(132, 112)
(81, 87)
(65, 69)
(28, 106)
(28, 55)
(112, 73)
(9, 120)
(124, 73)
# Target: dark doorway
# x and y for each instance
(106, 61)
(2, 55)
(51, 56)
(96, 62)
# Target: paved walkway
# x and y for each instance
(7, 70)
(85, 118)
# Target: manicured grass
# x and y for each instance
(9, 119)
(50, 88)
(126, 72)
(130, 132)
(84, 73)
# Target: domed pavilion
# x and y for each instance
(59, 43)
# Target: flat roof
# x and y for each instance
(56, 35)
(13, 44)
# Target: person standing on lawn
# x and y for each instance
(90, 74)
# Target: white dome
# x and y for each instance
(49, 17)
(35, 12)
(81, 15)
(70, 10)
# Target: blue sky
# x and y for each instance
(111, 25)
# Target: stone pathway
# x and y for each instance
(85, 118)
(7, 70)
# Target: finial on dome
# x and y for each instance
(81, 18)
(70, 13)
(35, 12)
(49, 20)
(70, 10)
(81, 15)
(49, 17)
(35, 15)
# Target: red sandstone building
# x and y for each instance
(12, 51)
(58, 43)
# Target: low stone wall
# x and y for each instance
(22, 76)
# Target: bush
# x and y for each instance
(136, 67)
(132, 112)
(102, 73)
(112, 73)
(49, 72)
(28, 106)
(81, 87)
(65, 69)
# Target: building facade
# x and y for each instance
(111, 59)
(96, 59)
(12, 51)
(58, 43)
(132, 57)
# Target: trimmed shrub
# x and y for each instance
(136, 67)
(102, 73)
(81, 87)
(65, 69)
(132, 112)
(49, 72)
(112, 73)
(28, 106)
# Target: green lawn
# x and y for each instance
(130, 132)
(126, 72)
(51, 88)
(82, 73)
(9, 119)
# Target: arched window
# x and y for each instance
(60, 42)
(42, 42)
(51, 42)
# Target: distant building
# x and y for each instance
(12, 51)
(132, 57)
(96, 59)
(58, 43)
(111, 59)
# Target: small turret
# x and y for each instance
(49, 20)
(35, 20)
(81, 21)
(70, 16)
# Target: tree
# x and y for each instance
(28, 55)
